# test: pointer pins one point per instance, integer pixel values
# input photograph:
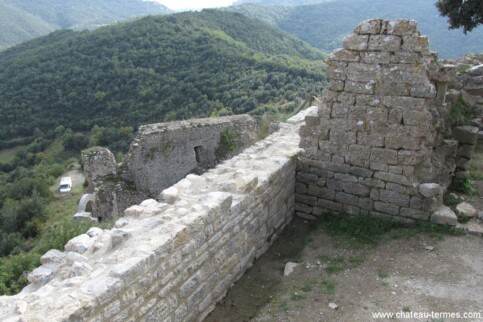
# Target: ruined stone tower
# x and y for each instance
(376, 146)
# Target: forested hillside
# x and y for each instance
(154, 69)
(324, 25)
(27, 19)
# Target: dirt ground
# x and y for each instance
(420, 273)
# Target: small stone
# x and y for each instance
(79, 244)
(94, 231)
(429, 248)
(289, 268)
(466, 209)
(333, 306)
(169, 195)
(444, 216)
(119, 236)
(429, 190)
(52, 256)
(480, 215)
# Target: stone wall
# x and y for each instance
(161, 155)
(170, 260)
(164, 153)
(376, 146)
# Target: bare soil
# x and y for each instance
(418, 273)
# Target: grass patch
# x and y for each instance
(329, 286)
(298, 296)
(7, 155)
(338, 264)
(382, 274)
(366, 230)
(356, 229)
(307, 287)
(465, 186)
(451, 200)
(406, 309)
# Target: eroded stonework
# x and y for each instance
(378, 135)
(161, 155)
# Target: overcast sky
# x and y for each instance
(194, 4)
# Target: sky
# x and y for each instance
(194, 4)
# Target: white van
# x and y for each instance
(65, 185)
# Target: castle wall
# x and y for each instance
(171, 260)
(164, 153)
(376, 146)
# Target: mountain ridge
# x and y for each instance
(27, 19)
(324, 25)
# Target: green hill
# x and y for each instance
(27, 19)
(153, 69)
(324, 25)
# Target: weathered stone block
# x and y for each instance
(395, 169)
(370, 139)
(466, 134)
(385, 156)
(336, 85)
(361, 172)
(379, 166)
(416, 202)
(339, 110)
(395, 187)
(466, 150)
(394, 198)
(301, 188)
(391, 177)
(359, 87)
(429, 190)
(374, 183)
(369, 27)
(409, 103)
(363, 72)
(423, 90)
(419, 44)
(328, 204)
(308, 200)
(417, 118)
(306, 178)
(386, 208)
(384, 43)
(351, 210)
(444, 216)
(344, 55)
(323, 193)
(409, 157)
(366, 203)
(400, 27)
(346, 177)
(337, 71)
(414, 213)
(356, 42)
(374, 57)
(346, 199)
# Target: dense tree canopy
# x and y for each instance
(158, 68)
(466, 14)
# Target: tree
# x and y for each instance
(466, 14)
